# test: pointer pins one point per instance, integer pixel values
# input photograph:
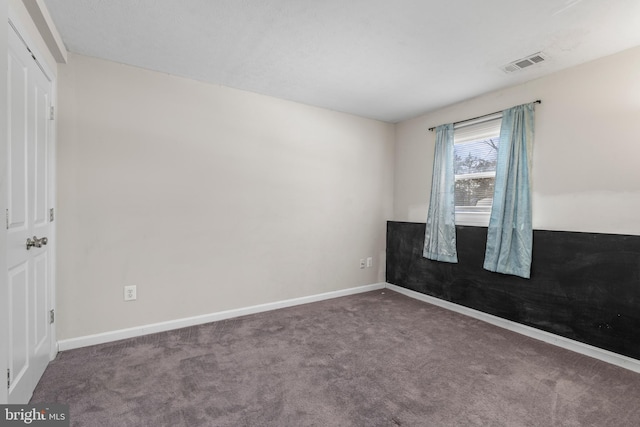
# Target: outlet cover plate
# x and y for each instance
(130, 293)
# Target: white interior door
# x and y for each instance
(27, 219)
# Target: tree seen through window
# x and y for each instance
(474, 167)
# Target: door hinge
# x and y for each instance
(51, 112)
(51, 216)
(52, 316)
(8, 378)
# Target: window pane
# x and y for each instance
(476, 156)
(474, 195)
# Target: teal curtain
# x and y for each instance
(440, 234)
(510, 234)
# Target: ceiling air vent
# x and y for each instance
(524, 62)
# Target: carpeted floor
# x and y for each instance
(373, 359)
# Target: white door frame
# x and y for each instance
(14, 21)
(4, 287)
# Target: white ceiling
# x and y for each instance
(385, 59)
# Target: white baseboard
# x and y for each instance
(566, 343)
(569, 344)
(120, 334)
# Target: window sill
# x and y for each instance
(478, 219)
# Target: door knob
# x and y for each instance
(35, 242)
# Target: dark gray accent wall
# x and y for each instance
(583, 286)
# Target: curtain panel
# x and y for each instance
(510, 233)
(440, 233)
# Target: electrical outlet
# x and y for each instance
(369, 262)
(130, 293)
(362, 264)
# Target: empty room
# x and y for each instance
(320, 213)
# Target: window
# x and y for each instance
(475, 157)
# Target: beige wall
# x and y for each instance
(207, 198)
(586, 167)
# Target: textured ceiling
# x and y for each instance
(385, 59)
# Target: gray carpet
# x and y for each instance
(373, 359)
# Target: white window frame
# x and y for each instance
(479, 219)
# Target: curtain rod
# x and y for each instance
(537, 101)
